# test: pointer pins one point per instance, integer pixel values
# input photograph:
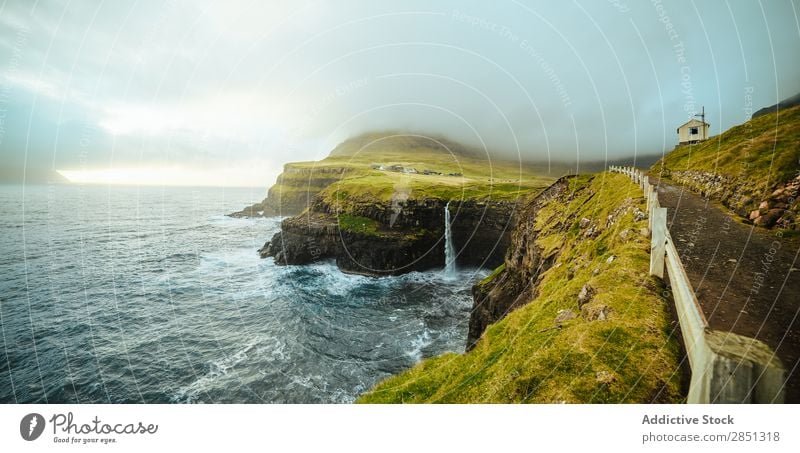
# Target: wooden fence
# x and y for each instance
(726, 367)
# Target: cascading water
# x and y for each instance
(449, 250)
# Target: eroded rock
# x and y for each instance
(564, 315)
(596, 312)
(585, 295)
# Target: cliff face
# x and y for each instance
(515, 284)
(294, 190)
(394, 238)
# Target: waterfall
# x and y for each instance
(449, 250)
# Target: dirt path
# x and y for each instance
(746, 279)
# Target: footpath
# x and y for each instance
(747, 279)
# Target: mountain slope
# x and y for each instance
(753, 169)
(783, 105)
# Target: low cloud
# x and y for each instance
(207, 86)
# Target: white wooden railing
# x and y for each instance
(726, 367)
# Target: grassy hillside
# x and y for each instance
(617, 347)
(744, 166)
(456, 171)
(377, 168)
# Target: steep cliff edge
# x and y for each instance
(572, 314)
(376, 205)
(294, 190)
(514, 284)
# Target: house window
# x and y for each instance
(692, 131)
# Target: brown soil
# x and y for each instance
(746, 278)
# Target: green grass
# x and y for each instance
(383, 186)
(756, 155)
(524, 358)
(489, 278)
(363, 225)
(480, 176)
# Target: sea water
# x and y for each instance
(127, 295)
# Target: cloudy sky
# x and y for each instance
(224, 93)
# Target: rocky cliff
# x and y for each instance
(294, 190)
(387, 239)
(514, 284)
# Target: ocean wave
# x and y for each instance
(418, 344)
(217, 369)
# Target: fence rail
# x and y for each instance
(726, 367)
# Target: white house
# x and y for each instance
(692, 131)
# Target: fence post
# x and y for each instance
(653, 197)
(658, 241)
(736, 369)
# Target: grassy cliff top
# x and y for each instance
(630, 356)
(764, 150)
(383, 166)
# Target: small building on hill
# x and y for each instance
(692, 131)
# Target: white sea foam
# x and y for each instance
(419, 343)
(217, 369)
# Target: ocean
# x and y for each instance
(153, 295)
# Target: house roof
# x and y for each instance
(691, 122)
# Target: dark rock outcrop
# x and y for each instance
(409, 236)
